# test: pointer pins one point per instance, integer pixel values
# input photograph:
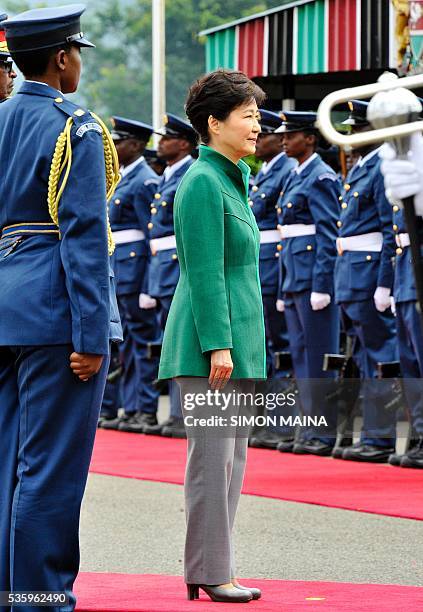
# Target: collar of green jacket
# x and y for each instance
(240, 171)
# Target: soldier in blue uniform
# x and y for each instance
(363, 283)
(307, 212)
(7, 73)
(410, 342)
(129, 216)
(178, 140)
(263, 197)
(57, 302)
(403, 178)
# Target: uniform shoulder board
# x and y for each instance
(328, 175)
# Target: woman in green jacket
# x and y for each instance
(215, 328)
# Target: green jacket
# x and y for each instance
(217, 303)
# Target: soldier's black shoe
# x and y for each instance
(414, 457)
(264, 439)
(313, 447)
(115, 423)
(103, 419)
(286, 446)
(174, 428)
(368, 453)
(395, 459)
(338, 450)
(138, 421)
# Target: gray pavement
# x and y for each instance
(134, 526)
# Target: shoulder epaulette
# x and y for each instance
(82, 118)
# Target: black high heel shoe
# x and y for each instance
(256, 593)
(220, 594)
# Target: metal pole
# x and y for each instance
(159, 65)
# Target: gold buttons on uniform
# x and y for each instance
(339, 223)
(395, 208)
(276, 254)
(263, 195)
(154, 211)
(356, 194)
(132, 254)
(174, 256)
(369, 258)
(289, 205)
(309, 247)
(164, 203)
(347, 187)
(340, 198)
(279, 210)
(79, 112)
(117, 201)
(344, 205)
(59, 100)
(395, 227)
(279, 247)
(281, 193)
(255, 188)
(150, 225)
(398, 251)
(157, 196)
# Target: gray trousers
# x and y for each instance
(213, 481)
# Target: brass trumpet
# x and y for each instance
(390, 115)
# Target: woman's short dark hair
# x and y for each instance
(35, 63)
(218, 93)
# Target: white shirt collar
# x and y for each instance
(304, 165)
(267, 165)
(170, 170)
(366, 158)
(42, 83)
(124, 170)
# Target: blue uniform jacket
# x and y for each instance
(164, 267)
(54, 291)
(364, 209)
(264, 195)
(130, 209)
(404, 284)
(311, 197)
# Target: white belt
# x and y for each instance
(162, 244)
(373, 241)
(268, 236)
(402, 240)
(296, 229)
(129, 235)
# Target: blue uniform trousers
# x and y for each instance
(375, 341)
(276, 334)
(311, 335)
(112, 399)
(139, 372)
(174, 393)
(410, 347)
(48, 420)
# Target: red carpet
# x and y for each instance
(149, 593)
(379, 489)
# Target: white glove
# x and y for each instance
(319, 301)
(147, 302)
(280, 305)
(382, 298)
(404, 178)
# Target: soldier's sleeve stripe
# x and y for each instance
(86, 127)
(327, 175)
